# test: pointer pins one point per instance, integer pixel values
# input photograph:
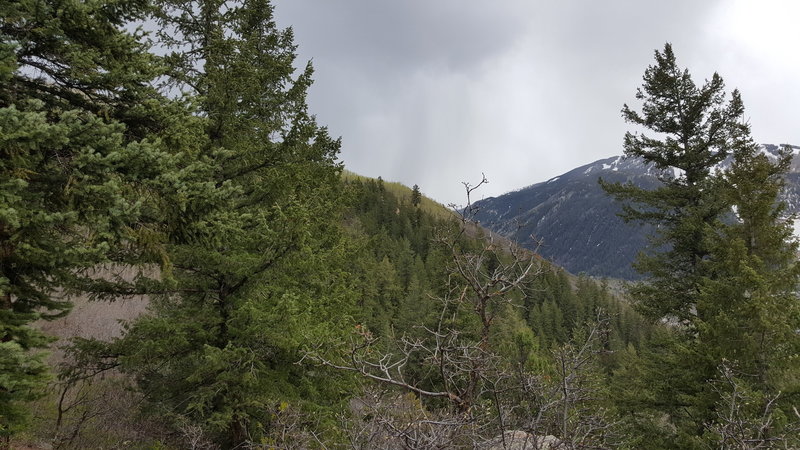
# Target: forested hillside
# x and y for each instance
(405, 262)
(399, 273)
(290, 305)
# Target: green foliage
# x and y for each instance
(77, 156)
(723, 265)
(397, 265)
(230, 188)
(416, 196)
(755, 272)
(557, 306)
(548, 317)
(22, 374)
(207, 164)
(401, 266)
(750, 302)
(435, 209)
(251, 233)
(698, 128)
(517, 344)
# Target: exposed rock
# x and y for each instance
(520, 440)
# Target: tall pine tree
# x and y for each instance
(693, 129)
(252, 232)
(749, 302)
(723, 261)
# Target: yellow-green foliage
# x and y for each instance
(401, 191)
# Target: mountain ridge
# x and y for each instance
(572, 222)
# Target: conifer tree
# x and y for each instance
(694, 128)
(416, 196)
(723, 263)
(252, 234)
(749, 301)
(75, 157)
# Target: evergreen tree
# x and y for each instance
(416, 196)
(750, 301)
(723, 263)
(77, 152)
(697, 127)
(252, 233)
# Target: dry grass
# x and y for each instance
(97, 413)
(94, 319)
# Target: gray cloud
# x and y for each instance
(436, 92)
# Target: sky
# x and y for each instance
(438, 92)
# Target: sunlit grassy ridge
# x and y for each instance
(401, 191)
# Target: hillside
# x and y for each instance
(397, 269)
(401, 233)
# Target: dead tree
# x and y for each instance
(747, 419)
(568, 402)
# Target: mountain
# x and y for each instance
(572, 222)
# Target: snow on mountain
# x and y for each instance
(577, 223)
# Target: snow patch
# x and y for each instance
(553, 179)
(767, 153)
(614, 166)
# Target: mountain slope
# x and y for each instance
(575, 224)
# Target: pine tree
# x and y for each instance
(750, 299)
(723, 263)
(697, 127)
(252, 233)
(74, 129)
(416, 196)
(750, 302)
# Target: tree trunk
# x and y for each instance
(238, 434)
(5, 304)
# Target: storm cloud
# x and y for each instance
(436, 92)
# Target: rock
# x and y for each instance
(520, 440)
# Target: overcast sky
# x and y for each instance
(434, 92)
